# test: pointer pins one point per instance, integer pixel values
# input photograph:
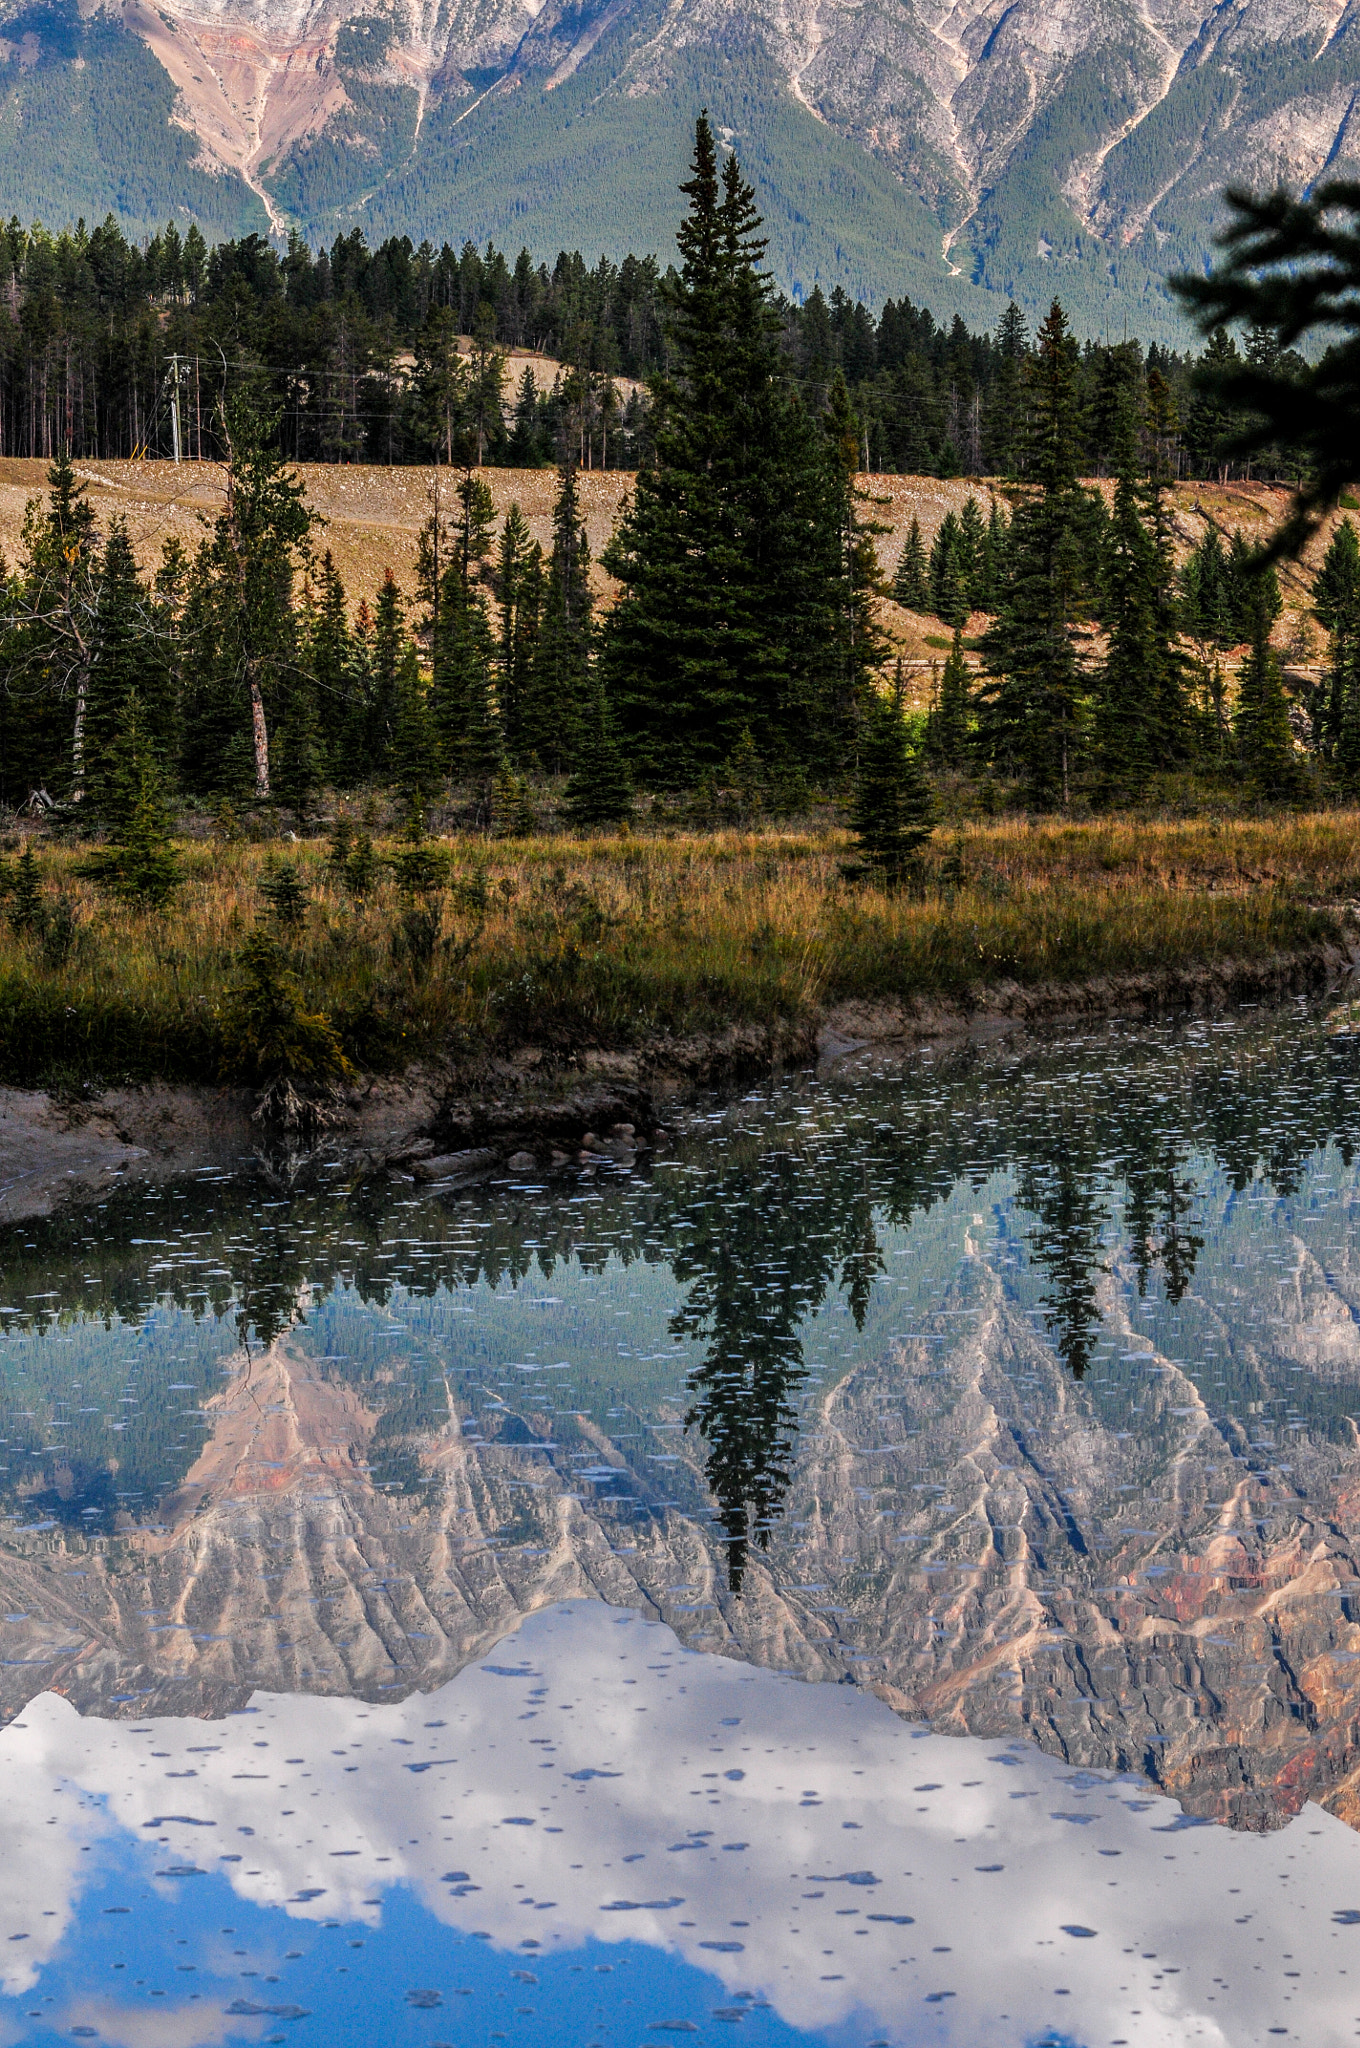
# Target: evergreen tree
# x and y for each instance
(1141, 718)
(340, 687)
(893, 814)
(53, 621)
(911, 586)
(948, 734)
(1205, 607)
(254, 552)
(389, 649)
(599, 793)
(1004, 429)
(1213, 426)
(414, 750)
(857, 638)
(140, 865)
(1265, 743)
(1249, 585)
(1032, 707)
(519, 601)
(728, 551)
(992, 572)
(948, 573)
(464, 714)
(972, 555)
(558, 704)
(1290, 268)
(127, 657)
(1336, 605)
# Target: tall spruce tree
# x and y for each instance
(327, 650)
(389, 650)
(728, 550)
(558, 703)
(1336, 605)
(257, 543)
(949, 573)
(519, 603)
(1141, 718)
(911, 583)
(972, 555)
(464, 708)
(1261, 721)
(128, 656)
(1032, 706)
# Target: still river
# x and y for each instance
(881, 1567)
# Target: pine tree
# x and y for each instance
(1213, 425)
(1336, 605)
(1261, 722)
(859, 643)
(1032, 706)
(1204, 592)
(389, 648)
(53, 622)
(519, 601)
(992, 570)
(972, 552)
(127, 656)
(1249, 586)
(893, 814)
(947, 738)
(139, 866)
(729, 551)
(414, 752)
(253, 555)
(327, 652)
(558, 704)
(948, 573)
(1142, 720)
(526, 449)
(911, 586)
(1003, 433)
(26, 912)
(599, 793)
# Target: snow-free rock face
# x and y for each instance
(1077, 145)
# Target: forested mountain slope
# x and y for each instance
(959, 153)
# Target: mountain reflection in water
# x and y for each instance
(1019, 1383)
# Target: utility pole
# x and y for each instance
(172, 377)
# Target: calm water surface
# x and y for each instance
(880, 1568)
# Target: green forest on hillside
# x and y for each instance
(398, 354)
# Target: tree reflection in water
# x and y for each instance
(768, 1221)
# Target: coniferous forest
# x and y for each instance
(745, 644)
(737, 670)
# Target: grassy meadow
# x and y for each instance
(564, 944)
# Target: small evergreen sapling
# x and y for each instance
(285, 892)
(893, 815)
(26, 912)
(140, 865)
(271, 1038)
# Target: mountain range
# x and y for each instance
(963, 154)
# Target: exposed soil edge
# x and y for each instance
(543, 1111)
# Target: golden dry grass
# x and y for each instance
(565, 943)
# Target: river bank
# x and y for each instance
(535, 1114)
